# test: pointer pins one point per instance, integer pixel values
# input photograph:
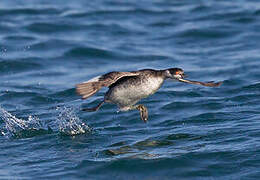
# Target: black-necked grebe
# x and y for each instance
(127, 88)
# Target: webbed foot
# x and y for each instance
(143, 112)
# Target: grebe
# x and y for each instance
(127, 88)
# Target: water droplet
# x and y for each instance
(17, 127)
(69, 123)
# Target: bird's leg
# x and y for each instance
(94, 108)
(143, 112)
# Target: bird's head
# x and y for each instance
(174, 73)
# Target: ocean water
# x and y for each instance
(194, 132)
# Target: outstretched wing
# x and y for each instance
(210, 84)
(88, 88)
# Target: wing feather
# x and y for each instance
(89, 88)
(209, 84)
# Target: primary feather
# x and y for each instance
(88, 88)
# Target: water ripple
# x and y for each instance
(193, 132)
(8, 66)
(28, 11)
(91, 53)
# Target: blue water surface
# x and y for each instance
(194, 132)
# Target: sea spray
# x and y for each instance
(18, 127)
(69, 122)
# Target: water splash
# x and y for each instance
(69, 122)
(15, 127)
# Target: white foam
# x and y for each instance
(14, 125)
(69, 122)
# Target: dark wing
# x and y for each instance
(210, 84)
(88, 88)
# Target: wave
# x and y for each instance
(69, 123)
(8, 66)
(52, 28)
(28, 11)
(19, 128)
(90, 52)
(127, 12)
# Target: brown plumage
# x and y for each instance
(127, 88)
(89, 88)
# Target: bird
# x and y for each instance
(126, 89)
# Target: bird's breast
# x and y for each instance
(133, 89)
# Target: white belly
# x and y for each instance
(130, 92)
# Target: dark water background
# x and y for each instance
(194, 132)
